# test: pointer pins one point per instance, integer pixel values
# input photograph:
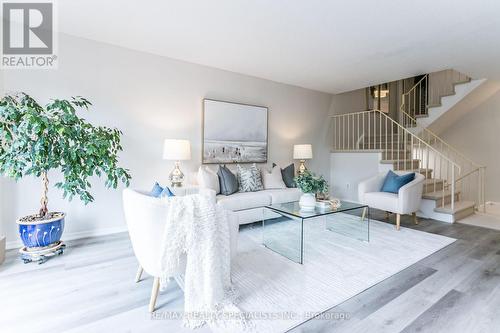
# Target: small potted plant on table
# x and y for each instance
(35, 140)
(310, 185)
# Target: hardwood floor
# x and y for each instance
(91, 288)
(456, 289)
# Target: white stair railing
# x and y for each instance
(427, 92)
(415, 101)
(471, 182)
(374, 131)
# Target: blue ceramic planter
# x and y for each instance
(41, 233)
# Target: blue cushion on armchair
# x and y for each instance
(393, 182)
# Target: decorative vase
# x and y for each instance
(307, 202)
(38, 234)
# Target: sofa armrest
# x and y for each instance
(410, 195)
(373, 184)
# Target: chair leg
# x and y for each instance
(154, 294)
(415, 219)
(398, 221)
(363, 215)
(138, 274)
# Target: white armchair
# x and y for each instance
(407, 201)
(145, 217)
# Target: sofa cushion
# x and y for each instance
(284, 195)
(394, 182)
(288, 175)
(272, 179)
(159, 192)
(382, 200)
(244, 200)
(228, 181)
(167, 193)
(156, 190)
(208, 179)
(249, 179)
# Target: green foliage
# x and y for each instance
(34, 140)
(308, 182)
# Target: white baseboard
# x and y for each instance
(75, 235)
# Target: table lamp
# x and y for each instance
(302, 153)
(176, 150)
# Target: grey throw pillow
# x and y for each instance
(228, 181)
(288, 175)
(249, 179)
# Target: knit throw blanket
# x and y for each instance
(198, 228)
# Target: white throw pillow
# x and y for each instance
(208, 179)
(273, 179)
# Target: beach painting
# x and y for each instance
(234, 133)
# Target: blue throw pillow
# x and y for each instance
(156, 191)
(159, 192)
(167, 193)
(393, 182)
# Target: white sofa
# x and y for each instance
(249, 206)
(407, 201)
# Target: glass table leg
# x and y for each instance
(283, 234)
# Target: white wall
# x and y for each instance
(348, 102)
(349, 169)
(477, 136)
(151, 98)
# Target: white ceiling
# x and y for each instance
(330, 46)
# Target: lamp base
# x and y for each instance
(302, 166)
(176, 177)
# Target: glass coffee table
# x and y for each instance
(283, 226)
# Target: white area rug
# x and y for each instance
(335, 269)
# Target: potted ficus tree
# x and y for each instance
(35, 140)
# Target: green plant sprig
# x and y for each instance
(308, 182)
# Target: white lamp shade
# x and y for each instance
(176, 150)
(302, 152)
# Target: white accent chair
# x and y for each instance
(145, 217)
(407, 201)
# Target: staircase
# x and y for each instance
(454, 185)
